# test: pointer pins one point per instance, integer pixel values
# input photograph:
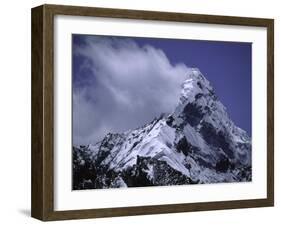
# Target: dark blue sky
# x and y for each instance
(227, 65)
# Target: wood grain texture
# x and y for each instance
(43, 107)
(270, 111)
(42, 203)
(37, 158)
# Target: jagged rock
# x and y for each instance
(197, 143)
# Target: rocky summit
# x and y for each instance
(196, 144)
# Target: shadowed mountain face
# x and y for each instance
(196, 144)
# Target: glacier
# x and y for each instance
(197, 143)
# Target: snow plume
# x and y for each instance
(120, 85)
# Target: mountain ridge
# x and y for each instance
(196, 143)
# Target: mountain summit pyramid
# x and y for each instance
(196, 144)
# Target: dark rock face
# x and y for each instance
(193, 114)
(134, 176)
(84, 171)
(197, 143)
(216, 139)
(223, 165)
(185, 147)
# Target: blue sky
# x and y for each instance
(100, 64)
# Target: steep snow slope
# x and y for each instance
(197, 143)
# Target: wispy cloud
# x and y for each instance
(120, 85)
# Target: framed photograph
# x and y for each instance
(142, 112)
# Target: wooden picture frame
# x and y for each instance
(42, 203)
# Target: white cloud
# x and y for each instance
(128, 86)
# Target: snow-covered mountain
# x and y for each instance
(197, 143)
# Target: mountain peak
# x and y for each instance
(197, 143)
(194, 86)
